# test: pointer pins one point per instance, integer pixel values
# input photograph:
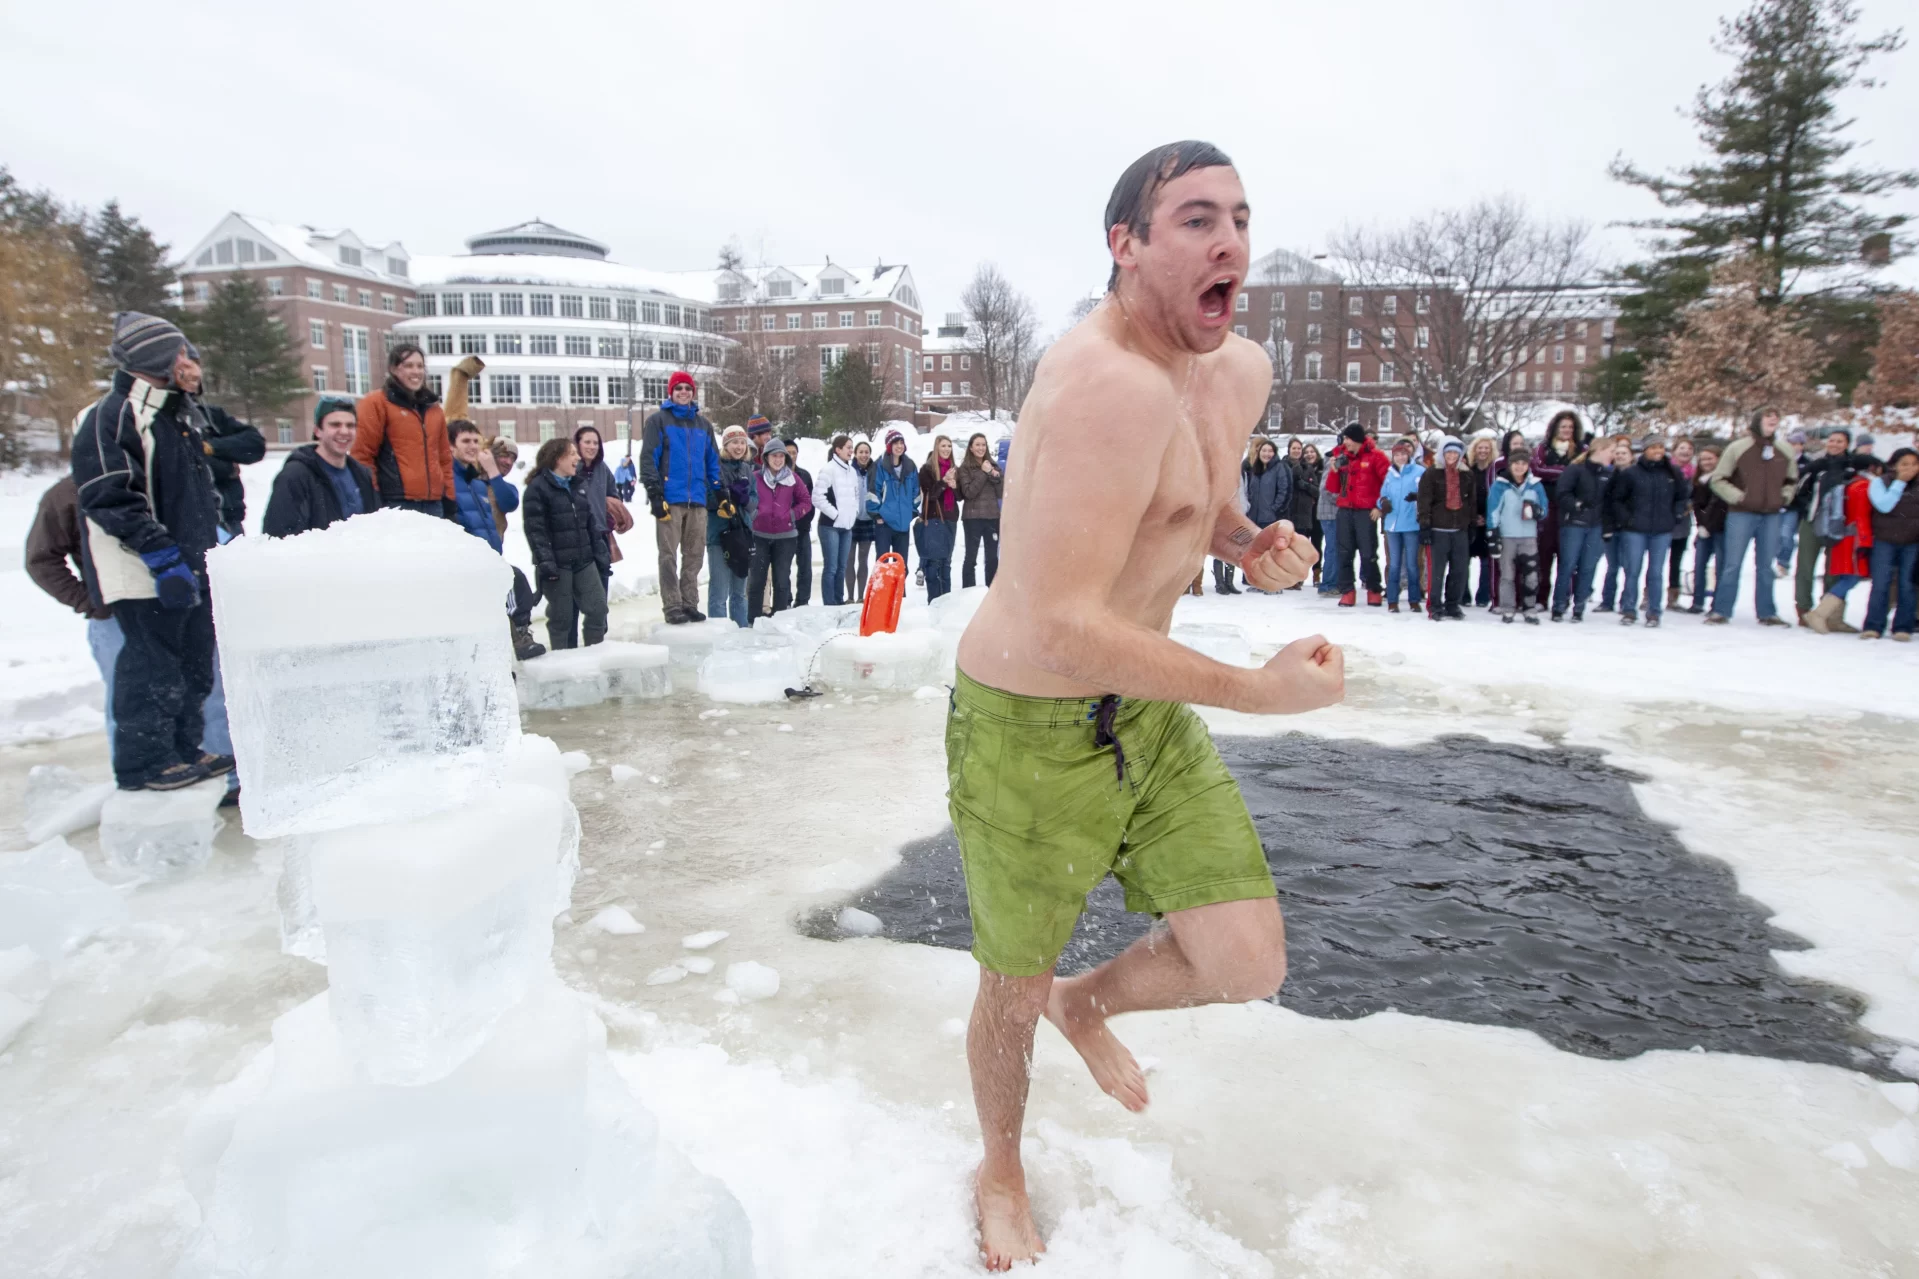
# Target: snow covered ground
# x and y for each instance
(838, 1110)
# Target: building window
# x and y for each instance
(1352, 371)
(359, 371)
(779, 289)
(276, 287)
(1312, 417)
(539, 304)
(396, 266)
(339, 293)
(480, 304)
(612, 348)
(1315, 363)
(453, 304)
(543, 388)
(946, 364)
(966, 388)
(572, 306)
(1240, 329)
(507, 425)
(1242, 303)
(926, 388)
(652, 388)
(670, 352)
(313, 291)
(1352, 339)
(386, 302)
(926, 363)
(506, 344)
(543, 344)
(649, 312)
(768, 323)
(792, 319)
(1389, 372)
(642, 348)
(1389, 305)
(365, 298)
(1559, 355)
(424, 304)
(1388, 337)
(1422, 337)
(505, 388)
(547, 426)
(830, 357)
(1279, 326)
(1558, 380)
(511, 304)
(286, 430)
(1385, 418)
(619, 391)
(846, 319)
(670, 314)
(349, 256)
(201, 292)
(1423, 303)
(472, 344)
(872, 319)
(577, 344)
(739, 324)
(819, 319)
(946, 388)
(439, 344)
(1315, 334)
(1579, 354)
(319, 377)
(628, 310)
(582, 389)
(1356, 306)
(832, 288)
(873, 354)
(598, 308)
(316, 334)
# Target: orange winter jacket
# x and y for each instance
(403, 441)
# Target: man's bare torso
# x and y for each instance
(1200, 421)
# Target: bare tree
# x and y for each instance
(1004, 330)
(1488, 285)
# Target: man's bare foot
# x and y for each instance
(1006, 1230)
(1113, 1067)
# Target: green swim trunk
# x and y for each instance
(1043, 815)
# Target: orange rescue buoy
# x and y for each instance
(884, 590)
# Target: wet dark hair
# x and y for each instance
(1137, 189)
(460, 426)
(400, 352)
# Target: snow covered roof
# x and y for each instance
(243, 241)
(547, 269)
(537, 237)
(823, 282)
(1282, 266)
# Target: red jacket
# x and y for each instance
(1358, 482)
(1848, 554)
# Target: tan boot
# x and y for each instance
(1821, 617)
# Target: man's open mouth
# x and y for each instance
(1216, 302)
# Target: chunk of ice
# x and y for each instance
(635, 670)
(1226, 644)
(1898, 1145)
(24, 980)
(699, 964)
(162, 834)
(760, 671)
(616, 920)
(435, 927)
(954, 610)
(623, 773)
(905, 660)
(531, 1158)
(855, 922)
(576, 762)
(665, 976)
(50, 901)
(690, 642)
(813, 621)
(367, 668)
(300, 930)
(561, 680)
(706, 940)
(61, 802)
(750, 980)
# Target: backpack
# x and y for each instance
(1831, 523)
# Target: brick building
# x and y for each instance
(949, 376)
(339, 296)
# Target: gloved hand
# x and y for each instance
(546, 573)
(173, 581)
(1494, 543)
(450, 508)
(1425, 537)
(657, 505)
(726, 509)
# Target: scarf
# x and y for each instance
(682, 411)
(774, 479)
(564, 481)
(946, 495)
(1452, 488)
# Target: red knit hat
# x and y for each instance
(679, 378)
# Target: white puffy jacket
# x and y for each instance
(842, 492)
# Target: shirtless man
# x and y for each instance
(1071, 750)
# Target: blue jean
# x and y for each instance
(936, 555)
(725, 590)
(105, 641)
(1483, 593)
(1893, 566)
(1706, 548)
(1841, 583)
(1613, 554)
(1403, 560)
(1329, 558)
(1579, 548)
(1644, 554)
(836, 552)
(1788, 538)
(1747, 530)
(892, 541)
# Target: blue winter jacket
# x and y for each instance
(475, 494)
(678, 460)
(1401, 492)
(894, 498)
(1504, 504)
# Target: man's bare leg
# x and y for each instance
(1226, 953)
(999, 1051)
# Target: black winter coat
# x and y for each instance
(1307, 477)
(1708, 508)
(231, 444)
(1269, 493)
(1580, 497)
(147, 503)
(1649, 497)
(1432, 500)
(303, 495)
(559, 527)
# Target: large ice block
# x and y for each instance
(817, 620)
(60, 802)
(635, 670)
(531, 1159)
(368, 670)
(757, 670)
(435, 927)
(50, 901)
(300, 930)
(952, 611)
(558, 681)
(162, 834)
(904, 660)
(536, 761)
(690, 642)
(1226, 644)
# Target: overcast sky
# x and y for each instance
(940, 135)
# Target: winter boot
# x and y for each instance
(1532, 619)
(1628, 617)
(1559, 615)
(1374, 599)
(1672, 597)
(1652, 619)
(525, 647)
(1774, 621)
(694, 615)
(1348, 599)
(1392, 608)
(1820, 617)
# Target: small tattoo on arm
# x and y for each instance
(1240, 537)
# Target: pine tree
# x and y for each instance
(128, 266)
(250, 362)
(1734, 354)
(1777, 186)
(852, 397)
(1894, 383)
(804, 409)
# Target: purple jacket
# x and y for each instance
(779, 505)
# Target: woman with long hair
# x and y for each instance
(939, 517)
(863, 526)
(729, 534)
(569, 558)
(1309, 471)
(1550, 461)
(1682, 454)
(1265, 496)
(595, 478)
(981, 485)
(1484, 458)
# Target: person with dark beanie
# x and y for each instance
(1584, 518)
(149, 515)
(1451, 505)
(680, 469)
(569, 558)
(1648, 500)
(1359, 469)
(321, 483)
(402, 438)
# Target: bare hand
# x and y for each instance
(1375, 515)
(1304, 676)
(489, 464)
(1279, 558)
